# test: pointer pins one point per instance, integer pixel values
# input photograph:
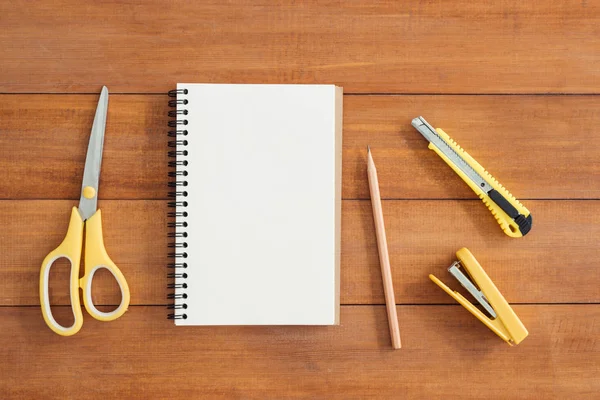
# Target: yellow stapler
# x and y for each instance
(503, 322)
(514, 219)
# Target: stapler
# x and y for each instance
(502, 321)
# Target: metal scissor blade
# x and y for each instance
(88, 201)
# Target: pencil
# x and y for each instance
(384, 258)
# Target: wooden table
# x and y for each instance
(515, 83)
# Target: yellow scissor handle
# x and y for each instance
(96, 258)
(70, 248)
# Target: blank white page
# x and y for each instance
(264, 188)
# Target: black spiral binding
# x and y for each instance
(177, 194)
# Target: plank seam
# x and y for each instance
(342, 305)
(345, 94)
(343, 199)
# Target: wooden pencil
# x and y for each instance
(384, 258)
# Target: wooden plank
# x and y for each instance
(557, 262)
(537, 146)
(446, 354)
(135, 237)
(44, 139)
(408, 47)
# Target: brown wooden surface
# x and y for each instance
(411, 46)
(540, 147)
(463, 65)
(559, 258)
(445, 353)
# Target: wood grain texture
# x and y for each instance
(543, 147)
(135, 237)
(557, 263)
(536, 146)
(43, 143)
(446, 354)
(387, 46)
(540, 147)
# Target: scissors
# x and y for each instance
(95, 256)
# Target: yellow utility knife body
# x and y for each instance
(514, 219)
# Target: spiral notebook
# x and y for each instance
(256, 191)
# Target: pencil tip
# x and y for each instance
(368, 148)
